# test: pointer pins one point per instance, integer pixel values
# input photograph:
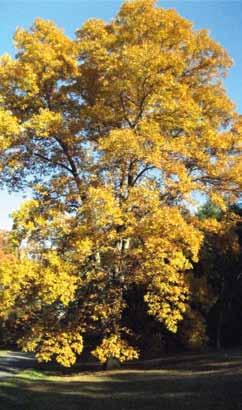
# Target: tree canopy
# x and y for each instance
(116, 132)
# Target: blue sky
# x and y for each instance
(222, 18)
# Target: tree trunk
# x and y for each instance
(219, 330)
(112, 364)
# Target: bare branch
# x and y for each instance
(59, 164)
(147, 168)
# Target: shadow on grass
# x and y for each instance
(201, 383)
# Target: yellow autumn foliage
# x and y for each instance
(116, 132)
(193, 330)
(113, 346)
(63, 346)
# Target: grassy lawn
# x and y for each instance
(194, 382)
(3, 353)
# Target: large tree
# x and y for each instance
(116, 132)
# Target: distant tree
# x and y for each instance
(210, 210)
(221, 262)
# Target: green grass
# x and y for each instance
(32, 374)
(192, 382)
(3, 353)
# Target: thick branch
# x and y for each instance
(73, 167)
(59, 164)
(124, 111)
(147, 168)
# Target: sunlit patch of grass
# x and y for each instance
(8, 383)
(31, 374)
(4, 353)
